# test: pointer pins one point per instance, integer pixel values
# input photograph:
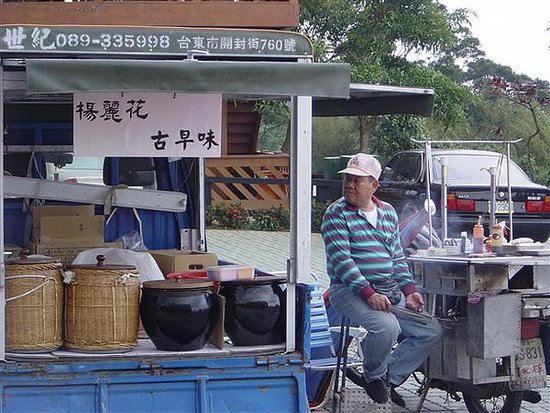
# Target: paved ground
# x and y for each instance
(269, 250)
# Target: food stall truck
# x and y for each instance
(152, 93)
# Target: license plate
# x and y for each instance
(530, 367)
(502, 207)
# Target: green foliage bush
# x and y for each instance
(317, 211)
(234, 216)
(270, 219)
(220, 215)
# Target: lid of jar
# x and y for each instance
(102, 266)
(261, 279)
(178, 284)
(24, 259)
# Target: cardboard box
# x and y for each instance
(75, 228)
(66, 251)
(171, 261)
(39, 212)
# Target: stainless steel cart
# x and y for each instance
(482, 304)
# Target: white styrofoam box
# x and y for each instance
(230, 272)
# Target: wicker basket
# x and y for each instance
(34, 305)
(101, 307)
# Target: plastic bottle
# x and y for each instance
(478, 237)
(496, 238)
(465, 243)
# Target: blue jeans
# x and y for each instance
(383, 329)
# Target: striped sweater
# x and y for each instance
(359, 254)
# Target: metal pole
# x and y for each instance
(508, 160)
(510, 201)
(202, 215)
(2, 266)
(483, 142)
(493, 203)
(444, 198)
(299, 265)
(428, 174)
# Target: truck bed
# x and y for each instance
(235, 379)
(146, 349)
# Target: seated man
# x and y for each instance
(369, 274)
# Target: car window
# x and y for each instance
(473, 169)
(82, 169)
(403, 167)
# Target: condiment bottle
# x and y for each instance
(488, 245)
(465, 243)
(496, 237)
(478, 237)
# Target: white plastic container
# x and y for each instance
(230, 272)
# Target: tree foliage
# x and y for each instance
(275, 116)
(380, 39)
(423, 44)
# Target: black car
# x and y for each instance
(468, 191)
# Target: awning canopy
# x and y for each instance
(377, 100)
(327, 83)
(241, 79)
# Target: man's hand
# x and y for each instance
(414, 302)
(379, 302)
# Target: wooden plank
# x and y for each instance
(240, 108)
(242, 117)
(282, 160)
(258, 171)
(240, 149)
(212, 170)
(242, 189)
(256, 132)
(276, 191)
(279, 191)
(275, 172)
(264, 193)
(239, 139)
(261, 14)
(224, 131)
(241, 128)
(242, 172)
(263, 172)
(216, 195)
(260, 166)
(227, 193)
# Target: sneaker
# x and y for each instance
(396, 397)
(377, 391)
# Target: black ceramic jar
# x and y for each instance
(255, 310)
(179, 315)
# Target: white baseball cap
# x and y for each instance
(363, 165)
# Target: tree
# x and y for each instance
(508, 106)
(275, 117)
(421, 43)
(380, 38)
(527, 96)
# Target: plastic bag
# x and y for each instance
(132, 241)
(145, 263)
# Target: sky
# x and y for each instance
(512, 32)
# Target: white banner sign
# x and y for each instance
(153, 124)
